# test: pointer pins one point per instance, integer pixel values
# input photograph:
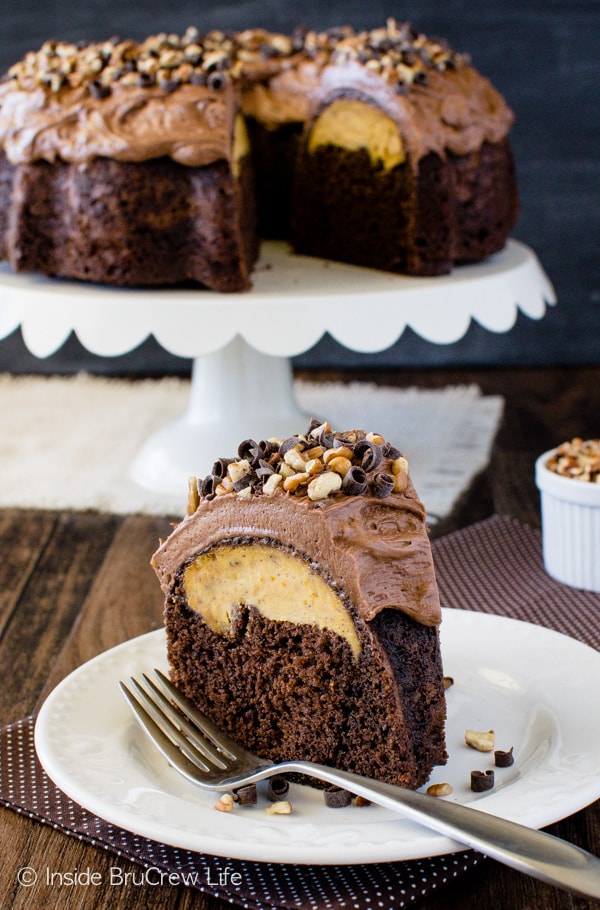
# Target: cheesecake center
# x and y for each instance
(280, 585)
(354, 125)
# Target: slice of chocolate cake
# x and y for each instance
(302, 609)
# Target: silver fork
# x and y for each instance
(209, 758)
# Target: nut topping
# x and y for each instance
(577, 459)
(225, 803)
(482, 741)
(283, 807)
(439, 789)
(396, 52)
(318, 463)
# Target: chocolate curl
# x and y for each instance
(207, 485)
(355, 482)
(482, 781)
(247, 796)
(382, 485)
(391, 452)
(219, 468)
(289, 443)
(369, 453)
(248, 449)
(277, 788)
(337, 797)
(504, 759)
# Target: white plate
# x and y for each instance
(531, 685)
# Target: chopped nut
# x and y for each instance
(339, 452)
(483, 742)
(225, 803)
(272, 483)
(400, 465)
(340, 465)
(319, 430)
(226, 486)
(314, 466)
(362, 801)
(577, 459)
(377, 438)
(193, 496)
(400, 482)
(323, 484)
(282, 807)
(439, 789)
(238, 469)
(290, 484)
(285, 470)
(448, 681)
(295, 459)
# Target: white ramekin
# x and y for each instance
(570, 527)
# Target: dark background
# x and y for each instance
(543, 56)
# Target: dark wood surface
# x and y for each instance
(74, 584)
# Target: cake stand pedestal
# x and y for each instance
(240, 344)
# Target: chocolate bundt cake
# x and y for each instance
(301, 606)
(150, 163)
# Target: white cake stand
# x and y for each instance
(241, 343)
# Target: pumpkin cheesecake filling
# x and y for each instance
(280, 585)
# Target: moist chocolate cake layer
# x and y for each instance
(146, 223)
(294, 690)
(456, 209)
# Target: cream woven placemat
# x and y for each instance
(68, 442)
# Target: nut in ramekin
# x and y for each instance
(570, 509)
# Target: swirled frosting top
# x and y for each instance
(344, 500)
(176, 96)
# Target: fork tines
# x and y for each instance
(184, 736)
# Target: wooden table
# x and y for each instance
(74, 584)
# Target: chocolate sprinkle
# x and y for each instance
(277, 788)
(482, 781)
(504, 759)
(219, 469)
(355, 482)
(337, 797)
(382, 485)
(246, 796)
(369, 453)
(98, 90)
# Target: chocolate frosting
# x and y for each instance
(376, 549)
(192, 125)
(456, 111)
(439, 101)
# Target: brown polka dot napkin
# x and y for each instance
(24, 786)
(495, 567)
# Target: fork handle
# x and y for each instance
(540, 855)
